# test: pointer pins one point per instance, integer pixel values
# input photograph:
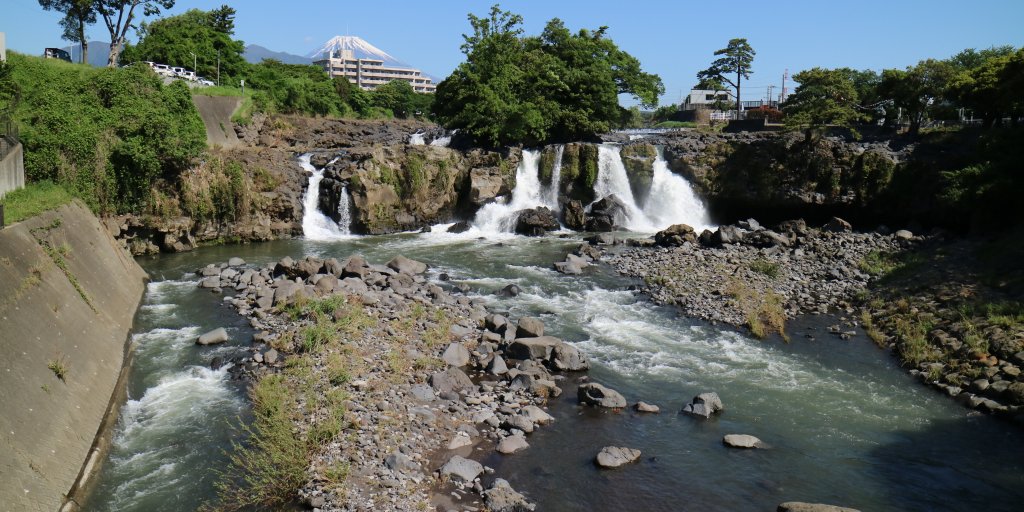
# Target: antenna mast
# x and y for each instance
(782, 95)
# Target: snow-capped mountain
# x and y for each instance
(359, 46)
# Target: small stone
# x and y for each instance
(646, 407)
(218, 335)
(512, 444)
(742, 441)
(615, 456)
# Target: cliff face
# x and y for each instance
(68, 295)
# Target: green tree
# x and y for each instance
(824, 97)
(121, 15)
(396, 96)
(918, 89)
(77, 15)
(196, 38)
(988, 82)
(736, 59)
(557, 86)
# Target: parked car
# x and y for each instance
(205, 81)
(163, 70)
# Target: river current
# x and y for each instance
(844, 424)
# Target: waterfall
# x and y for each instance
(611, 179)
(416, 139)
(551, 191)
(500, 217)
(672, 199)
(316, 225)
(344, 213)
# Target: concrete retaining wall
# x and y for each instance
(12, 168)
(68, 296)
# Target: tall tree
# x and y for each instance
(918, 89)
(193, 37)
(824, 97)
(120, 15)
(77, 15)
(736, 59)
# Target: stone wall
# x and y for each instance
(68, 296)
(12, 167)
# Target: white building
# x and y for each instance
(704, 98)
(370, 73)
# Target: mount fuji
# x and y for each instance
(359, 46)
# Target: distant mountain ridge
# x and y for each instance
(254, 54)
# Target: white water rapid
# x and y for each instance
(496, 217)
(316, 225)
(442, 141)
(417, 139)
(671, 199)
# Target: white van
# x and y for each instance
(163, 70)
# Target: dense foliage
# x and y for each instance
(558, 86)
(825, 97)
(193, 38)
(104, 134)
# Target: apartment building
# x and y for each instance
(371, 73)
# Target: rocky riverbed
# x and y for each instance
(924, 298)
(412, 380)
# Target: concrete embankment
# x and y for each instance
(216, 112)
(12, 166)
(68, 295)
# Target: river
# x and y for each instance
(845, 425)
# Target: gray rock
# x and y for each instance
(798, 506)
(537, 415)
(566, 357)
(903, 234)
(271, 356)
(646, 407)
(406, 265)
(461, 469)
(498, 366)
(422, 392)
(529, 327)
(450, 380)
(286, 291)
(400, 462)
(518, 422)
(726, 235)
(837, 225)
(593, 393)
(218, 335)
(511, 444)
(615, 456)
(326, 284)
(456, 355)
(509, 291)
(742, 441)
(501, 497)
(496, 323)
(568, 268)
(459, 440)
(355, 266)
(704, 404)
(210, 282)
(532, 348)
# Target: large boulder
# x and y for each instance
(615, 456)
(766, 238)
(606, 214)
(535, 221)
(726, 235)
(742, 441)
(837, 225)
(456, 355)
(218, 335)
(574, 215)
(501, 497)
(566, 357)
(595, 394)
(485, 184)
(704, 404)
(406, 266)
(529, 327)
(511, 444)
(539, 348)
(450, 380)
(461, 469)
(675, 236)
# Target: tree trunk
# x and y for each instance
(83, 42)
(739, 79)
(115, 52)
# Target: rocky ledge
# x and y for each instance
(401, 381)
(750, 276)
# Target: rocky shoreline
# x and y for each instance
(940, 320)
(428, 378)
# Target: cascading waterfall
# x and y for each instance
(551, 191)
(500, 217)
(316, 225)
(417, 139)
(672, 199)
(611, 179)
(443, 141)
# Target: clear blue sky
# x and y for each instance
(674, 39)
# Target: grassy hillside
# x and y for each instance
(105, 135)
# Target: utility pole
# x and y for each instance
(218, 67)
(770, 87)
(194, 64)
(785, 75)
